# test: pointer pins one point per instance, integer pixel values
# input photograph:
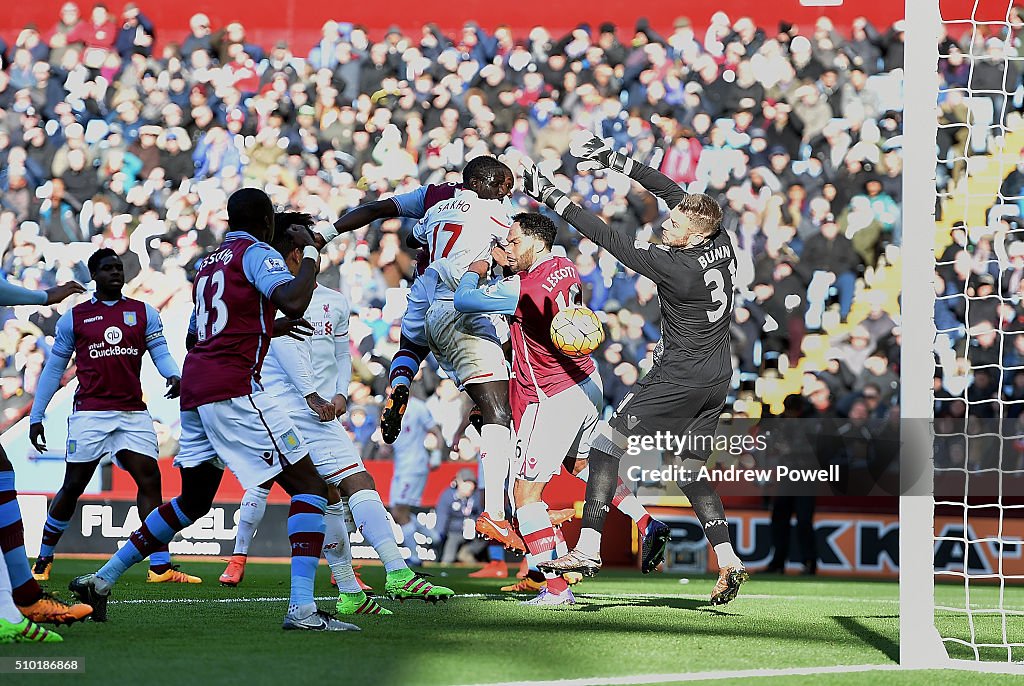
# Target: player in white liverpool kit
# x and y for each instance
(459, 232)
(412, 467)
(309, 380)
(472, 355)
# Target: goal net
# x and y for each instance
(961, 598)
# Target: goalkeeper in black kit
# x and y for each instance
(685, 391)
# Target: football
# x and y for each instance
(576, 331)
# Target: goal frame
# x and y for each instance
(920, 644)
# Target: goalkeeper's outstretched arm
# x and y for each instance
(643, 258)
(594, 153)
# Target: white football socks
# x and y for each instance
(375, 524)
(590, 543)
(727, 557)
(250, 514)
(8, 610)
(338, 550)
(496, 457)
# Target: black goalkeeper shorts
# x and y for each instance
(663, 407)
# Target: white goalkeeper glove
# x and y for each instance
(541, 188)
(326, 230)
(594, 153)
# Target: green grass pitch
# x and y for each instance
(625, 624)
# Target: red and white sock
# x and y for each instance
(541, 540)
(561, 547)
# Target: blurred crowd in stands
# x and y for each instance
(107, 140)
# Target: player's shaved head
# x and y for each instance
(97, 257)
(250, 210)
(487, 177)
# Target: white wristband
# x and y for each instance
(311, 253)
(327, 231)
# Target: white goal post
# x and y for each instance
(925, 641)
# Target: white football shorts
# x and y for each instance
(407, 488)
(95, 434)
(467, 346)
(562, 425)
(330, 447)
(250, 434)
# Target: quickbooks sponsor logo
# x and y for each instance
(112, 351)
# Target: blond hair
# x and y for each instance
(703, 210)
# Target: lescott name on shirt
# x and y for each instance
(554, 277)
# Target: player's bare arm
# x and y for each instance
(358, 218)
(299, 329)
(16, 295)
(60, 293)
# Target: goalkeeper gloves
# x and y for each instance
(594, 153)
(541, 188)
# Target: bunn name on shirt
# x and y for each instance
(714, 255)
(554, 277)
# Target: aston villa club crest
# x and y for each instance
(130, 319)
(290, 440)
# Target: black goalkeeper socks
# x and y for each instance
(707, 505)
(601, 483)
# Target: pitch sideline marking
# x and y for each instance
(500, 596)
(701, 676)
